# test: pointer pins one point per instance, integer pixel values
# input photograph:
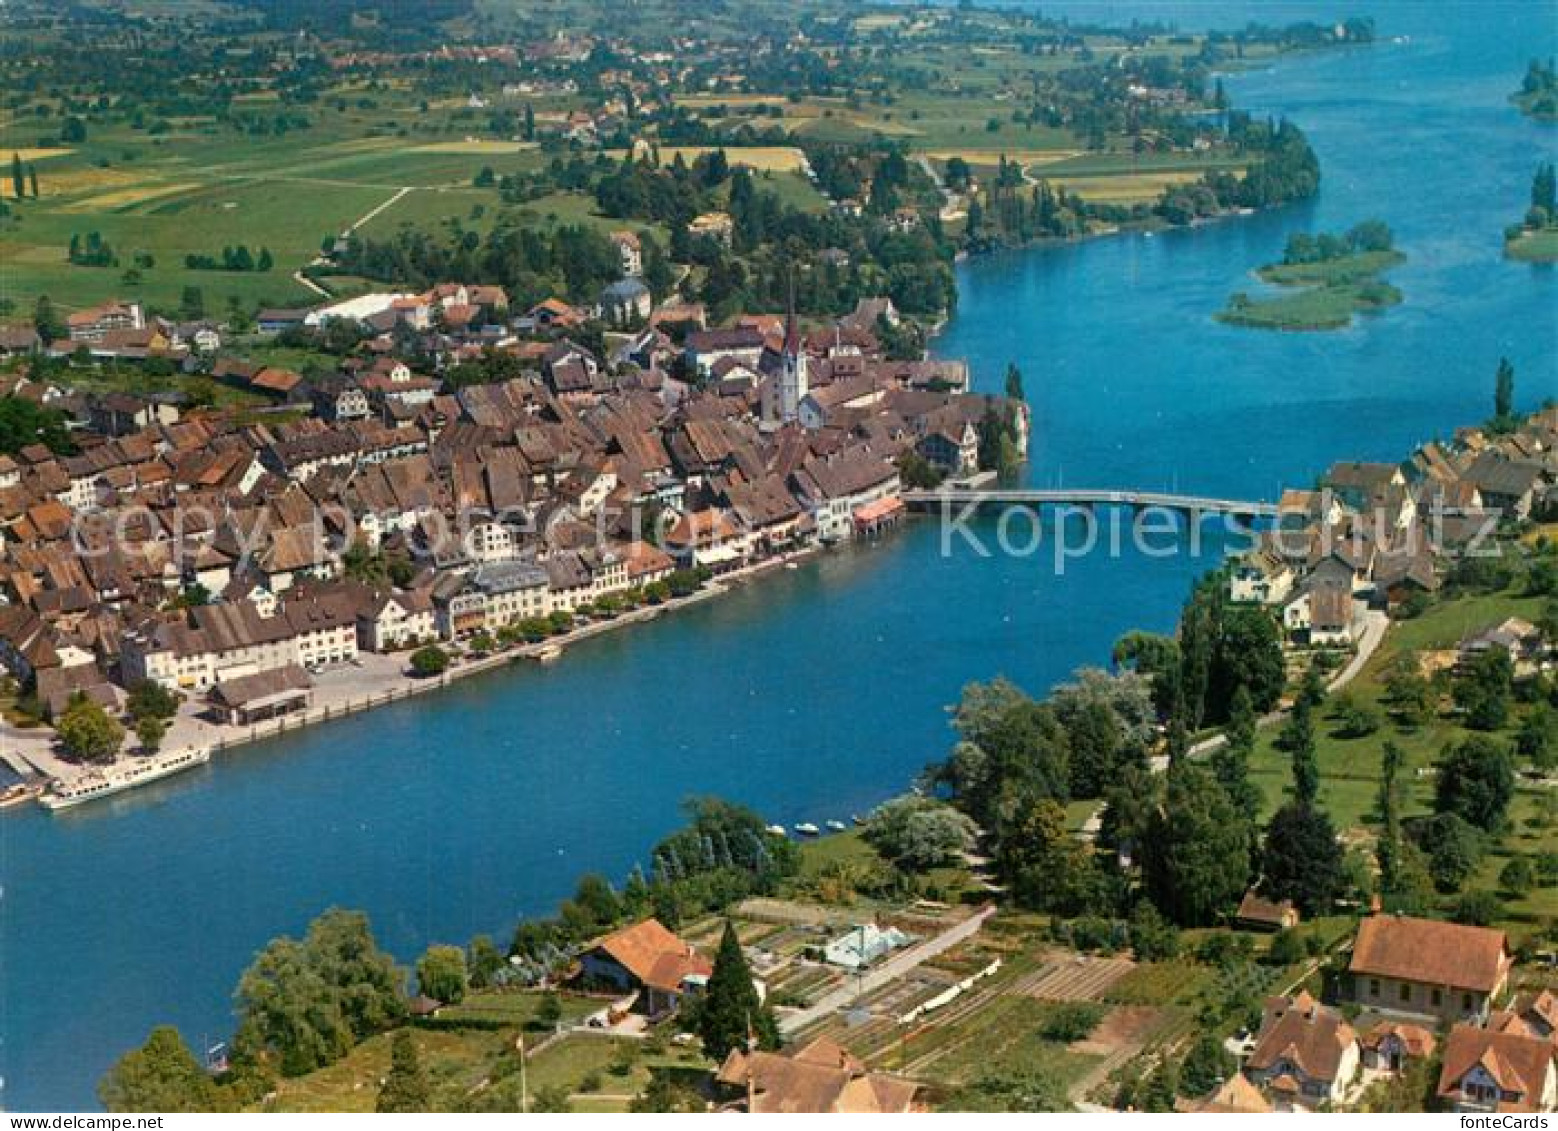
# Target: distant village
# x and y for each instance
(235, 556)
(1384, 535)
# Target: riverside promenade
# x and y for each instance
(346, 689)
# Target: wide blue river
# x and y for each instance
(823, 690)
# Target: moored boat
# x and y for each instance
(19, 792)
(96, 784)
(806, 828)
(834, 826)
(777, 830)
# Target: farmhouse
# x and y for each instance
(1425, 968)
(650, 959)
(97, 322)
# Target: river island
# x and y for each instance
(1330, 278)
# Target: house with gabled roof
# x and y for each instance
(1489, 1071)
(1306, 1054)
(650, 959)
(820, 1077)
(1427, 968)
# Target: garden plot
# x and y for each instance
(1079, 978)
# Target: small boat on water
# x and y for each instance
(834, 826)
(19, 792)
(857, 820)
(117, 778)
(777, 830)
(806, 828)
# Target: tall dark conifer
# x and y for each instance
(731, 1010)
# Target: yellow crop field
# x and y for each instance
(474, 145)
(1129, 188)
(697, 100)
(40, 153)
(762, 158)
(993, 156)
(125, 197)
(88, 178)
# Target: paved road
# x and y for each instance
(372, 212)
(895, 967)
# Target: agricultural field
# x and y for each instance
(759, 158)
(196, 188)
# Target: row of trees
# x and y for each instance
(1366, 236)
(238, 258)
(24, 178)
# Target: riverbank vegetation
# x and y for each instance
(1535, 238)
(1538, 93)
(1331, 277)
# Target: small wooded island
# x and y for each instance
(1326, 279)
(1538, 93)
(1535, 238)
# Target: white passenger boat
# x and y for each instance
(95, 784)
(806, 828)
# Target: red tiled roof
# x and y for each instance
(1430, 952)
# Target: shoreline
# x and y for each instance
(41, 766)
(198, 734)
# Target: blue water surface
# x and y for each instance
(823, 690)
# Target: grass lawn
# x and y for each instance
(129, 379)
(818, 854)
(1350, 768)
(513, 1007)
(1534, 247)
(455, 1060)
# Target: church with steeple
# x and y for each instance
(787, 380)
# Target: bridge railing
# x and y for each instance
(1090, 497)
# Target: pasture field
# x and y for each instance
(196, 187)
(1350, 768)
(453, 1058)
